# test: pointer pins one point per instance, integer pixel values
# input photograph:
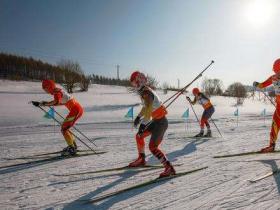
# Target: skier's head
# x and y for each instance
(195, 91)
(48, 85)
(138, 79)
(276, 66)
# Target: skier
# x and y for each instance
(61, 97)
(275, 81)
(207, 113)
(154, 123)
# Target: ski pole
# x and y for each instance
(216, 127)
(69, 131)
(178, 93)
(80, 132)
(268, 98)
(194, 112)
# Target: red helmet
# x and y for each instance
(276, 66)
(139, 78)
(195, 91)
(48, 85)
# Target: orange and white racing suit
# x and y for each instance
(275, 81)
(208, 109)
(75, 112)
(156, 123)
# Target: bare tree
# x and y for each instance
(85, 81)
(152, 82)
(239, 91)
(72, 74)
(212, 87)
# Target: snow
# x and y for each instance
(223, 185)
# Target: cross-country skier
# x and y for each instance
(61, 97)
(275, 81)
(207, 113)
(154, 123)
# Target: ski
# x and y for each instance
(147, 167)
(199, 137)
(157, 180)
(274, 172)
(42, 154)
(54, 158)
(245, 153)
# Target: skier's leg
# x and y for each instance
(74, 114)
(156, 139)
(273, 132)
(140, 161)
(202, 123)
(207, 115)
(140, 141)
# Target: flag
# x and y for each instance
(236, 112)
(129, 114)
(50, 113)
(186, 114)
(263, 113)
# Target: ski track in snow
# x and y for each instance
(223, 185)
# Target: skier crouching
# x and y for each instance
(275, 81)
(207, 113)
(154, 123)
(61, 97)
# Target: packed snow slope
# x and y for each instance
(223, 185)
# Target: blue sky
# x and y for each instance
(168, 39)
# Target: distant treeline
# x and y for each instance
(97, 79)
(21, 68)
(66, 72)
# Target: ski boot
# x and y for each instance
(208, 134)
(169, 170)
(69, 151)
(268, 149)
(200, 134)
(140, 161)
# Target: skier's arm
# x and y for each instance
(192, 102)
(49, 103)
(148, 99)
(141, 113)
(43, 103)
(55, 102)
(265, 83)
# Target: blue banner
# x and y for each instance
(186, 114)
(236, 112)
(129, 114)
(263, 113)
(50, 113)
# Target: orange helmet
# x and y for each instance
(195, 91)
(139, 78)
(48, 85)
(276, 66)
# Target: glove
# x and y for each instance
(188, 98)
(136, 121)
(43, 103)
(35, 103)
(256, 84)
(141, 129)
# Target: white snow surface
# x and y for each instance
(223, 185)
